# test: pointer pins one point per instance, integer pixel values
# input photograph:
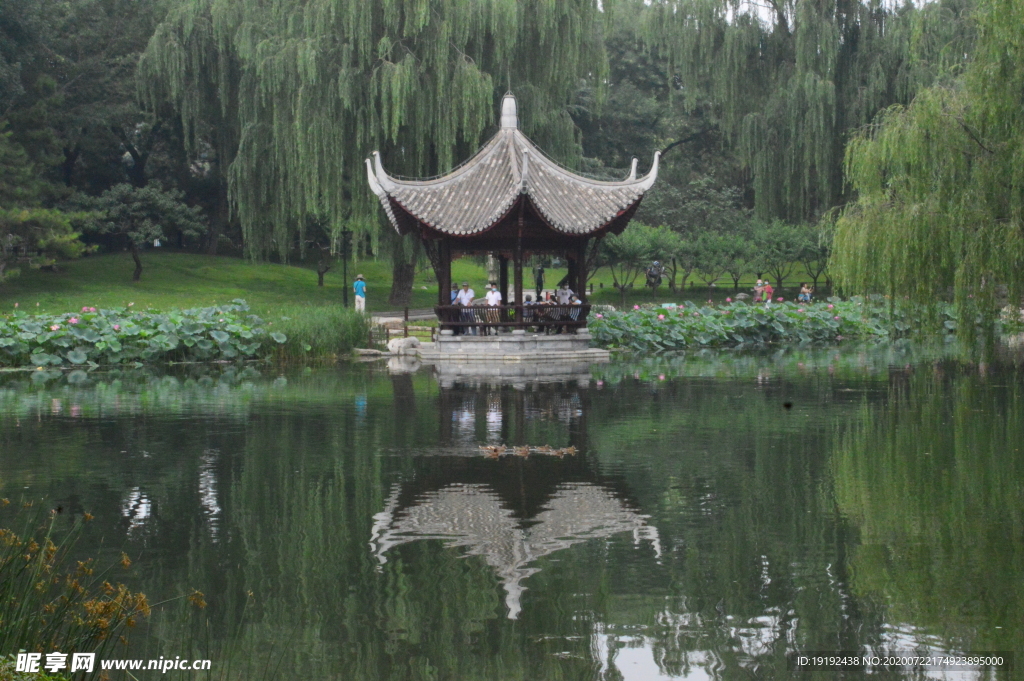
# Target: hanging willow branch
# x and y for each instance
(940, 185)
(789, 89)
(296, 93)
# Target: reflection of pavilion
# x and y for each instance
(473, 516)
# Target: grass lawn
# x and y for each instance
(172, 279)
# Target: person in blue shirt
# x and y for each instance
(360, 288)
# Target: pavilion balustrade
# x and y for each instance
(537, 316)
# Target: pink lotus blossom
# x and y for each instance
(836, 318)
(600, 383)
(830, 306)
(799, 309)
(780, 299)
(599, 316)
(660, 317)
(709, 302)
(85, 309)
(54, 327)
(839, 338)
(73, 320)
(728, 300)
(661, 377)
(117, 327)
(696, 314)
(636, 307)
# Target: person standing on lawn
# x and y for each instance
(768, 291)
(360, 290)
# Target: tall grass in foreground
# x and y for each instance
(319, 332)
(49, 602)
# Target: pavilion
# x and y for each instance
(510, 201)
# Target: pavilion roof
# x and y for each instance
(478, 194)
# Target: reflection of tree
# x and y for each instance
(932, 482)
(274, 484)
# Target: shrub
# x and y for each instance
(115, 336)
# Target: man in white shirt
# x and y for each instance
(493, 300)
(465, 297)
(564, 295)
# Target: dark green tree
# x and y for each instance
(141, 215)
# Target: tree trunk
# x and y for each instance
(220, 218)
(401, 284)
(321, 269)
(135, 256)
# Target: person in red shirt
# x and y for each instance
(768, 291)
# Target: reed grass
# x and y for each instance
(51, 602)
(315, 332)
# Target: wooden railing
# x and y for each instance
(541, 317)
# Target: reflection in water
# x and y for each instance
(703, 530)
(474, 517)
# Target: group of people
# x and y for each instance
(466, 297)
(763, 292)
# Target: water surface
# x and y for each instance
(722, 511)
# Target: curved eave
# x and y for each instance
(553, 191)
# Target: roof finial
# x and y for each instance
(509, 115)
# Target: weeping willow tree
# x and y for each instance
(791, 78)
(940, 184)
(294, 94)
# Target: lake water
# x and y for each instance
(722, 511)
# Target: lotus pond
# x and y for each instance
(712, 513)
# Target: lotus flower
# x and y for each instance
(780, 299)
(830, 306)
(836, 318)
(117, 327)
(661, 377)
(15, 305)
(799, 309)
(599, 316)
(728, 300)
(73, 320)
(696, 314)
(85, 309)
(636, 307)
(661, 317)
(54, 327)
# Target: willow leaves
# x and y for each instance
(293, 94)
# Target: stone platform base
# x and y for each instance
(513, 348)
